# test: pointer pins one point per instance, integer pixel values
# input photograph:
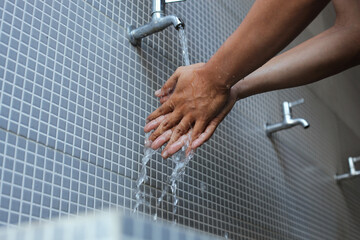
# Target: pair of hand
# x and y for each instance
(193, 102)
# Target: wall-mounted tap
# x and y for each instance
(288, 122)
(353, 172)
(158, 22)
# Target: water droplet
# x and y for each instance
(161, 198)
(203, 187)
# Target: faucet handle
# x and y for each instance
(172, 1)
(352, 161)
(297, 102)
(356, 159)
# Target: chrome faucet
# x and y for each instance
(353, 171)
(288, 122)
(158, 22)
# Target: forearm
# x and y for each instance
(269, 26)
(327, 54)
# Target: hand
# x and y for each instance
(203, 137)
(190, 98)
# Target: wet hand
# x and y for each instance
(203, 137)
(191, 99)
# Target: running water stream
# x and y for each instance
(139, 193)
(184, 46)
(180, 159)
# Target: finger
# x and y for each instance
(154, 123)
(161, 140)
(189, 151)
(198, 129)
(170, 121)
(209, 131)
(181, 129)
(162, 93)
(162, 110)
(166, 93)
(169, 85)
(164, 99)
(176, 146)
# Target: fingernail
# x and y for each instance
(157, 92)
(165, 154)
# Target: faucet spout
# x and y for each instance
(157, 24)
(159, 21)
(300, 121)
(172, 20)
(288, 121)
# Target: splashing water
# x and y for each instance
(184, 46)
(203, 187)
(163, 194)
(140, 194)
(180, 159)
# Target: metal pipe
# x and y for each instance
(158, 22)
(353, 172)
(288, 121)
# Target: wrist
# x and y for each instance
(241, 89)
(219, 79)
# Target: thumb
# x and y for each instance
(169, 85)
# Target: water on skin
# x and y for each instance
(179, 159)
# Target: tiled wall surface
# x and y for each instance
(73, 98)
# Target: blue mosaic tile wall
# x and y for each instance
(74, 95)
